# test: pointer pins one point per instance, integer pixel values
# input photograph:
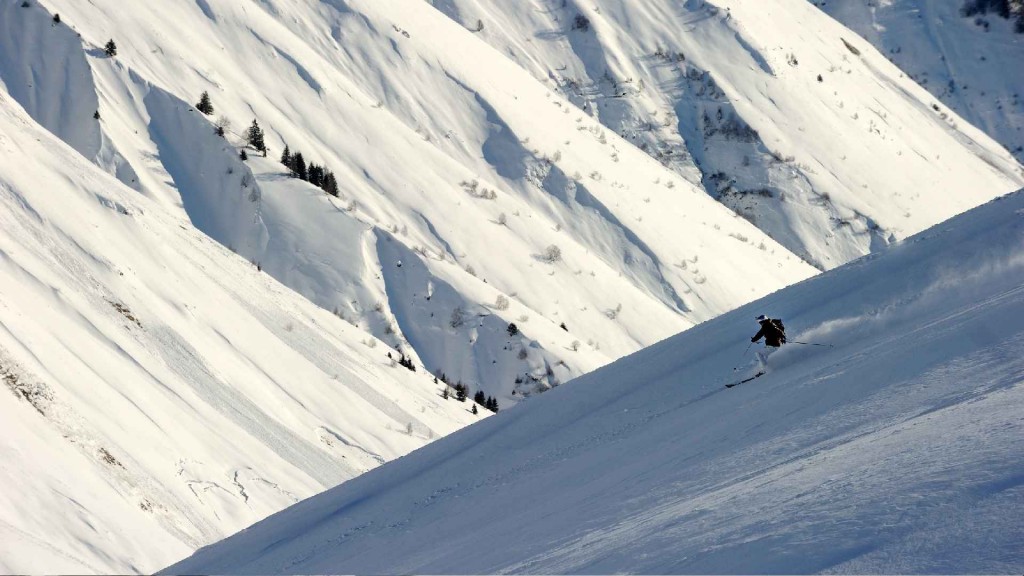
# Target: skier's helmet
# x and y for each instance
(761, 318)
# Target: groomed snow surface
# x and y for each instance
(897, 451)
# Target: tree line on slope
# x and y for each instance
(316, 174)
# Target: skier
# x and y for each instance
(774, 334)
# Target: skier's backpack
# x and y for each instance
(782, 328)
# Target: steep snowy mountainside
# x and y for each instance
(896, 451)
(160, 393)
(472, 196)
(775, 109)
(970, 64)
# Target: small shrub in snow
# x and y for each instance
(502, 219)
(56, 18)
(552, 254)
(458, 317)
(111, 48)
(512, 329)
(575, 345)
(581, 23)
(96, 115)
(501, 302)
(407, 363)
(243, 156)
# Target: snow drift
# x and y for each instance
(898, 450)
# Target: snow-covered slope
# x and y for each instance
(971, 64)
(158, 392)
(897, 451)
(474, 175)
(777, 110)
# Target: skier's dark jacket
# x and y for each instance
(773, 331)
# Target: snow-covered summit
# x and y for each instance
(896, 451)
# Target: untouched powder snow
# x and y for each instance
(896, 451)
(775, 109)
(971, 64)
(157, 392)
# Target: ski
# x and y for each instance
(759, 374)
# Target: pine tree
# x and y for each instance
(56, 18)
(512, 329)
(314, 174)
(243, 156)
(299, 167)
(110, 48)
(205, 106)
(286, 157)
(96, 115)
(255, 136)
(461, 392)
(330, 184)
(479, 397)
(474, 410)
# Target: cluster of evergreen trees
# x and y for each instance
(313, 173)
(488, 402)
(1002, 8)
(462, 394)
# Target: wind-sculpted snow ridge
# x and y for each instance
(897, 450)
(970, 62)
(158, 392)
(776, 110)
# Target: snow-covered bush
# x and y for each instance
(552, 254)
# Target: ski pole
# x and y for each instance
(737, 367)
(809, 343)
